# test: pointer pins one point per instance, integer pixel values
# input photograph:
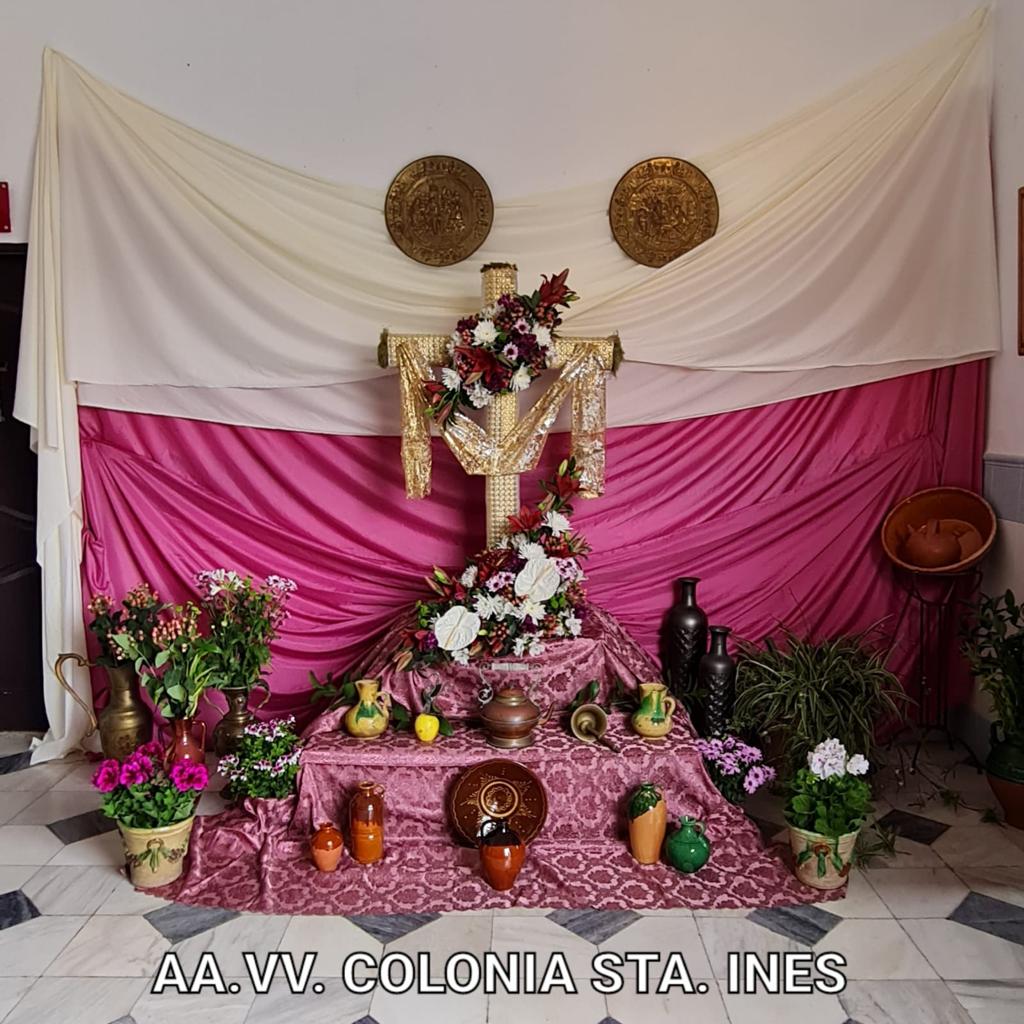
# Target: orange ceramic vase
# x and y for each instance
(366, 823)
(647, 820)
(326, 847)
(502, 853)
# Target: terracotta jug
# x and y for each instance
(502, 853)
(184, 746)
(931, 547)
(366, 823)
(326, 847)
(647, 819)
(653, 719)
(368, 718)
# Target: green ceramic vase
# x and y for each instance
(688, 849)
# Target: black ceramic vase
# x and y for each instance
(716, 679)
(685, 639)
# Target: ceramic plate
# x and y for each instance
(495, 790)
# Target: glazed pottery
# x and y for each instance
(685, 638)
(931, 546)
(326, 847)
(653, 719)
(155, 856)
(1005, 770)
(184, 746)
(688, 849)
(822, 862)
(366, 823)
(497, 790)
(126, 722)
(502, 853)
(227, 733)
(716, 680)
(368, 718)
(647, 816)
(509, 717)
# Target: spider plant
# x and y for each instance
(796, 692)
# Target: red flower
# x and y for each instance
(526, 519)
(473, 361)
(555, 292)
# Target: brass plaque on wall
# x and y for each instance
(438, 210)
(661, 208)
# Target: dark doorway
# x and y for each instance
(21, 640)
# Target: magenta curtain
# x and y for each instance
(777, 509)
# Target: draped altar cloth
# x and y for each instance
(172, 273)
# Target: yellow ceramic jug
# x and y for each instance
(368, 718)
(653, 719)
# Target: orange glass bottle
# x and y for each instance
(366, 823)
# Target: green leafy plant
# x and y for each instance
(797, 690)
(266, 762)
(993, 643)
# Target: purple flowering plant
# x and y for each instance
(139, 792)
(735, 767)
(265, 763)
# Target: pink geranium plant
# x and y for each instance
(139, 792)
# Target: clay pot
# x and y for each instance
(184, 746)
(647, 818)
(653, 719)
(502, 853)
(930, 546)
(155, 856)
(326, 847)
(366, 823)
(509, 717)
(1005, 770)
(816, 856)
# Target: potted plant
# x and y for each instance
(795, 691)
(735, 767)
(994, 648)
(265, 762)
(154, 808)
(828, 804)
(176, 670)
(244, 619)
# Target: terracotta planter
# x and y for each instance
(814, 857)
(502, 853)
(647, 829)
(155, 856)
(326, 847)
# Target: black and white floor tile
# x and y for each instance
(935, 936)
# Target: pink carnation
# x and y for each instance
(107, 776)
(136, 770)
(185, 775)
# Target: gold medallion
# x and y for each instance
(661, 208)
(438, 210)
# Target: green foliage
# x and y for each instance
(265, 763)
(800, 690)
(152, 804)
(339, 690)
(831, 807)
(874, 843)
(644, 797)
(428, 698)
(993, 643)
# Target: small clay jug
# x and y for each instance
(502, 853)
(647, 817)
(326, 847)
(653, 719)
(366, 823)
(688, 849)
(184, 746)
(931, 547)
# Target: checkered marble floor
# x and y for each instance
(935, 936)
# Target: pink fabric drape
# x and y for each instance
(776, 508)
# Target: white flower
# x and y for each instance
(468, 578)
(484, 333)
(451, 379)
(461, 655)
(536, 647)
(556, 522)
(527, 548)
(827, 759)
(521, 379)
(543, 336)
(455, 339)
(858, 765)
(489, 312)
(490, 606)
(479, 395)
(538, 580)
(532, 610)
(519, 646)
(572, 624)
(457, 628)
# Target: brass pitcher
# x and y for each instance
(227, 733)
(126, 722)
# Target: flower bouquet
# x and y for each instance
(265, 762)
(828, 804)
(510, 598)
(154, 809)
(501, 349)
(735, 767)
(135, 618)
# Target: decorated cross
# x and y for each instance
(507, 445)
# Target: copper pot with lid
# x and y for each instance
(509, 716)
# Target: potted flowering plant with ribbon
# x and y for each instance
(828, 804)
(154, 807)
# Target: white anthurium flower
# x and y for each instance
(457, 628)
(556, 522)
(484, 333)
(521, 379)
(538, 580)
(451, 379)
(858, 765)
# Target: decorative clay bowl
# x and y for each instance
(966, 515)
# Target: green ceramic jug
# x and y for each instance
(688, 849)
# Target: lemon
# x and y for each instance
(426, 727)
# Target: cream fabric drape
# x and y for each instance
(173, 273)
